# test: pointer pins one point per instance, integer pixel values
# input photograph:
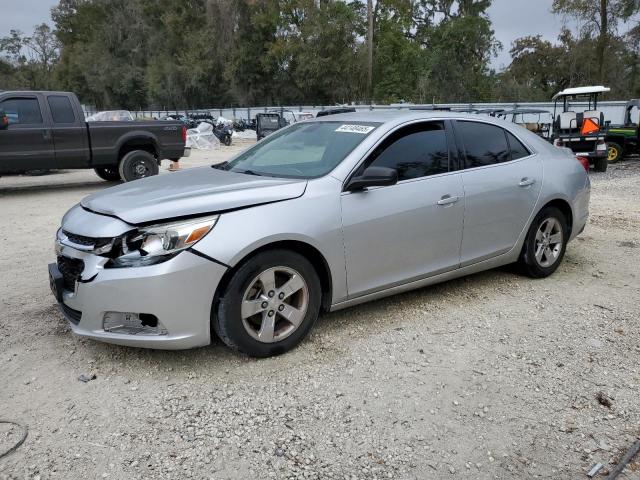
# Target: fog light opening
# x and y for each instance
(129, 323)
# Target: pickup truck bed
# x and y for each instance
(47, 130)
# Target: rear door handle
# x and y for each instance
(447, 200)
(46, 134)
(526, 182)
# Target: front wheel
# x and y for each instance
(227, 140)
(545, 243)
(110, 174)
(614, 152)
(138, 164)
(269, 305)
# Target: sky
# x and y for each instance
(511, 19)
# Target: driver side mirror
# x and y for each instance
(4, 120)
(373, 177)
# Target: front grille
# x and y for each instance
(79, 239)
(87, 241)
(71, 269)
(72, 315)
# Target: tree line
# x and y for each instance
(138, 54)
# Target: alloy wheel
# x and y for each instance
(275, 304)
(548, 243)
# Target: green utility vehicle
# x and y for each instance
(624, 139)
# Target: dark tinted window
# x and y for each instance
(61, 109)
(484, 144)
(518, 150)
(415, 151)
(22, 110)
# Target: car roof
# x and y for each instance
(581, 91)
(398, 116)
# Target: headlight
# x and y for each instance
(158, 243)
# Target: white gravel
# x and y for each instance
(491, 376)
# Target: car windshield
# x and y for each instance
(303, 150)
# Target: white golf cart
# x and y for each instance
(579, 125)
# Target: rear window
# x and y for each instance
(518, 150)
(61, 109)
(484, 144)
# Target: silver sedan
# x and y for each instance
(322, 215)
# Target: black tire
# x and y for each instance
(600, 164)
(110, 174)
(615, 152)
(528, 263)
(137, 164)
(227, 140)
(227, 318)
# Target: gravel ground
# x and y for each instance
(491, 376)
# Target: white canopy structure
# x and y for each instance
(569, 92)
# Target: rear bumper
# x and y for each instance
(179, 293)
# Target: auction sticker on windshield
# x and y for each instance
(363, 129)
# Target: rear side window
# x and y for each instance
(24, 111)
(415, 151)
(61, 109)
(484, 144)
(518, 150)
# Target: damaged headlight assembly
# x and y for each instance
(158, 243)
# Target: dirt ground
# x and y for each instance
(491, 376)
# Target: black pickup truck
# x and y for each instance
(47, 131)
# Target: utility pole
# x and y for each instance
(370, 50)
(603, 40)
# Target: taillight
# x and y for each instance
(584, 161)
(558, 143)
(184, 133)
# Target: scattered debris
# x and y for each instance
(624, 461)
(87, 378)
(604, 399)
(594, 471)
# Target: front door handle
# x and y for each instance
(526, 182)
(447, 200)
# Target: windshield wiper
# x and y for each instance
(220, 166)
(251, 172)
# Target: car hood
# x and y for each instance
(190, 192)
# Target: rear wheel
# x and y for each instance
(614, 152)
(545, 244)
(600, 164)
(110, 174)
(269, 305)
(138, 164)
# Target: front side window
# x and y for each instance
(415, 151)
(484, 144)
(304, 150)
(61, 109)
(24, 111)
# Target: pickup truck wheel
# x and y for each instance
(110, 174)
(138, 164)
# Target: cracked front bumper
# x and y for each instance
(179, 292)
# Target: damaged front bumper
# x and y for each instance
(162, 306)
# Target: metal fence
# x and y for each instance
(613, 110)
